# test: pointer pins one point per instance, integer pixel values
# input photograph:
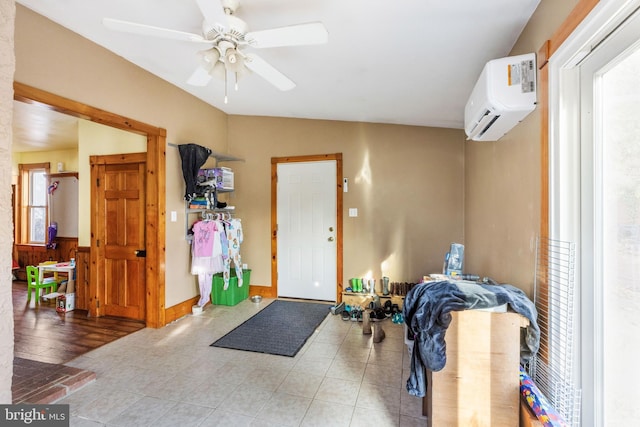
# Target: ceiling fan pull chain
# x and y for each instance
(225, 87)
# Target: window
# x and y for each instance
(594, 197)
(32, 221)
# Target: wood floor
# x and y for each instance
(44, 335)
(45, 340)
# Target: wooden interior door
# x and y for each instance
(119, 234)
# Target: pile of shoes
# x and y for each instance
(378, 314)
(375, 312)
(397, 318)
(401, 288)
(355, 314)
(390, 309)
(370, 324)
(337, 309)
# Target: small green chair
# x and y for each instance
(33, 282)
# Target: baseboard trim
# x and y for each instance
(263, 291)
(182, 309)
(177, 311)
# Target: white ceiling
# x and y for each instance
(411, 62)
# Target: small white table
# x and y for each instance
(61, 267)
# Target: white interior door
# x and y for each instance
(306, 237)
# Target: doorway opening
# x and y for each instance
(154, 188)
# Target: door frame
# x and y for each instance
(274, 216)
(155, 189)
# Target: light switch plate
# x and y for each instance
(174, 216)
(353, 212)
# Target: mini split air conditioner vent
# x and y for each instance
(503, 96)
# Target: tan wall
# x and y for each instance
(82, 71)
(407, 183)
(502, 182)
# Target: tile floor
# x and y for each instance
(173, 377)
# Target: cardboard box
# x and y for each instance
(220, 178)
(66, 302)
(233, 294)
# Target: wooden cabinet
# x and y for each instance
(479, 385)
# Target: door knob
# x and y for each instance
(330, 239)
(330, 228)
(141, 253)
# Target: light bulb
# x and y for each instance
(233, 60)
(210, 57)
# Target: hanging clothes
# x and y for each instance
(205, 281)
(193, 156)
(206, 255)
(231, 252)
(204, 233)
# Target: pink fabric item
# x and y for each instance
(203, 238)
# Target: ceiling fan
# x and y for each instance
(225, 36)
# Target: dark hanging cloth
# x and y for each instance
(193, 157)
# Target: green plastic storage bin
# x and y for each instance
(233, 295)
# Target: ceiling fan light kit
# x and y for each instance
(227, 35)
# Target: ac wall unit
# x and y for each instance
(502, 97)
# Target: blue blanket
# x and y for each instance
(427, 313)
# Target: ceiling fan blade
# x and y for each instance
(150, 30)
(213, 12)
(200, 77)
(294, 35)
(267, 72)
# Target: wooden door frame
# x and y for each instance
(274, 216)
(155, 189)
